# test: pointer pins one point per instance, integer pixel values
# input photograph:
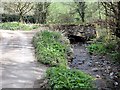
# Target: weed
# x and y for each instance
(68, 79)
(50, 48)
(17, 26)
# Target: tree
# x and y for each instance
(20, 8)
(113, 10)
(81, 6)
(41, 12)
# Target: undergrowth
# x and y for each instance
(17, 26)
(68, 79)
(50, 48)
(107, 45)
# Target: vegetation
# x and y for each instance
(17, 26)
(81, 7)
(20, 8)
(107, 45)
(67, 79)
(41, 12)
(97, 48)
(51, 48)
(101, 48)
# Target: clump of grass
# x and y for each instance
(50, 48)
(97, 48)
(107, 46)
(17, 26)
(68, 79)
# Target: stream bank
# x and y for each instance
(106, 73)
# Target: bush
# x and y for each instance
(97, 48)
(17, 26)
(110, 48)
(115, 56)
(68, 79)
(51, 48)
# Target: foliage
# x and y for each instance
(15, 18)
(60, 13)
(17, 26)
(50, 48)
(41, 12)
(115, 56)
(107, 44)
(97, 48)
(68, 79)
(113, 14)
(81, 7)
(57, 12)
(109, 49)
(19, 8)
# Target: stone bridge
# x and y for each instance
(85, 31)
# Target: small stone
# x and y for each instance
(104, 63)
(115, 83)
(102, 60)
(108, 67)
(95, 69)
(89, 64)
(91, 59)
(116, 76)
(80, 63)
(100, 57)
(96, 62)
(107, 62)
(97, 76)
(111, 74)
(99, 65)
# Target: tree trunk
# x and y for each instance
(117, 32)
(83, 20)
(82, 15)
(21, 18)
(43, 18)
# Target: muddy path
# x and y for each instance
(18, 65)
(105, 72)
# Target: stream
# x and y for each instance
(106, 73)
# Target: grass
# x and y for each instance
(98, 48)
(17, 26)
(68, 79)
(50, 48)
(108, 47)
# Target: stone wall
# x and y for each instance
(86, 31)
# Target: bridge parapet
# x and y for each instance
(86, 31)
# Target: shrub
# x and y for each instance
(17, 26)
(115, 56)
(68, 79)
(51, 48)
(97, 48)
(110, 47)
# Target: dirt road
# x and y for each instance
(18, 65)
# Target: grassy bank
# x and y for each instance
(52, 49)
(106, 44)
(17, 26)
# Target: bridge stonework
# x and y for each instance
(85, 31)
